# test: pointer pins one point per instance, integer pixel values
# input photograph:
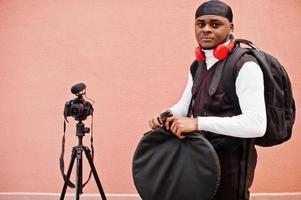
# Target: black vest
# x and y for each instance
(218, 105)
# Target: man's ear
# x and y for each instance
(231, 27)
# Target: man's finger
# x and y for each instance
(179, 133)
(151, 124)
(154, 124)
(168, 121)
(157, 123)
(159, 120)
(173, 126)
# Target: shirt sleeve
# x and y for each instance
(181, 107)
(252, 122)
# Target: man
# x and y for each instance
(224, 125)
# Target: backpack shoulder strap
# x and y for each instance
(195, 70)
(228, 75)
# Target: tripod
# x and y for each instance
(77, 152)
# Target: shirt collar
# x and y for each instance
(210, 59)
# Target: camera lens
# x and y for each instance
(76, 109)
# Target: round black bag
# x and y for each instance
(168, 168)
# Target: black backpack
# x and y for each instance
(279, 101)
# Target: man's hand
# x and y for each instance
(156, 121)
(180, 126)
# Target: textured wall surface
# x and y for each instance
(134, 57)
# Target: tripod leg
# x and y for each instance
(89, 157)
(79, 172)
(68, 174)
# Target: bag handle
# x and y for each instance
(246, 42)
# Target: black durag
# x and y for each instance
(215, 7)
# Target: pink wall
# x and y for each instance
(134, 57)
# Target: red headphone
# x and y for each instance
(220, 52)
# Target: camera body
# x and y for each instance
(78, 108)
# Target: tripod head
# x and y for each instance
(81, 130)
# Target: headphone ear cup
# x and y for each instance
(199, 55)
(222, 51)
